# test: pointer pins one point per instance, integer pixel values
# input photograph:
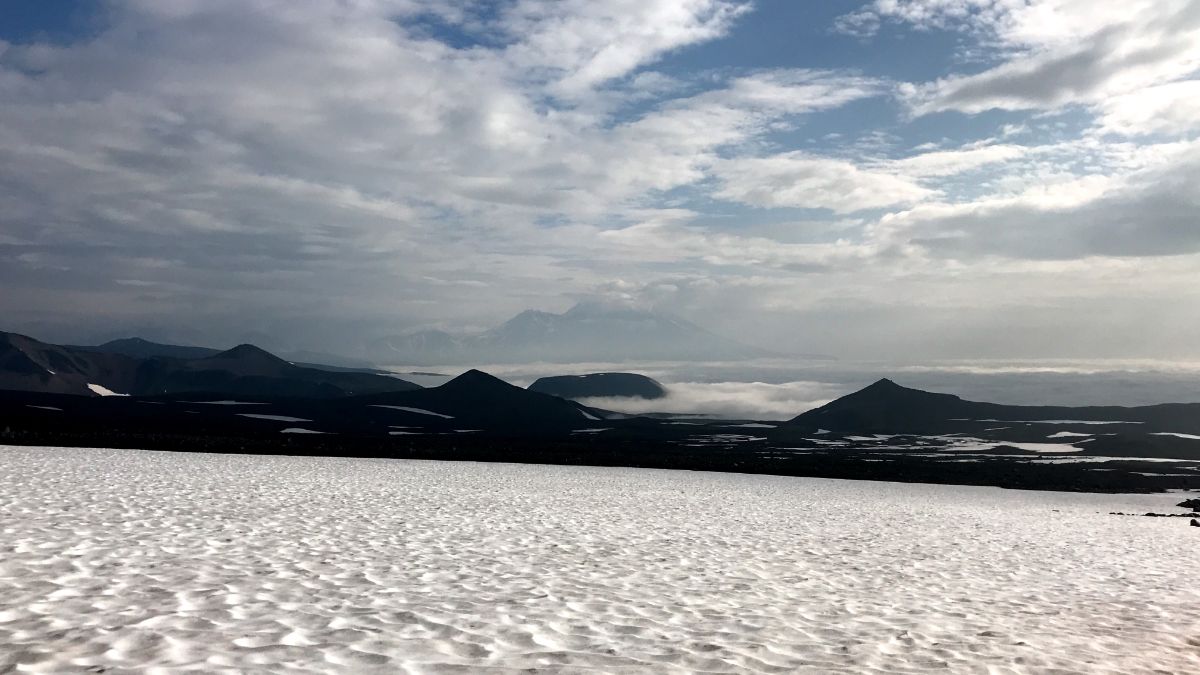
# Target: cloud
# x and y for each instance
(1152, 211)
(744, 400)
(940, 163)
(924, 15)
(1057, 53)
(802, 180)
(328, 171)
(309, 158)
(799, 180)
(670, 238)
(1169, 109)
(861, 24)
(583, 43)
(676, 144)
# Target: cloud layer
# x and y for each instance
(313, 175)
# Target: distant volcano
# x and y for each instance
(587, 332)
(887, 407)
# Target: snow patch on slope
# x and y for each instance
(276, 418)
(419, 411)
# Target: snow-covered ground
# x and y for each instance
(126, 560)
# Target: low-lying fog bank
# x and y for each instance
(777, 389)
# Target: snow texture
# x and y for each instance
(129, 560)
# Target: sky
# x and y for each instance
(906, 179)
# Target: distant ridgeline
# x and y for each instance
(247, 400)
(886, 407)
(141, 368)
(588, 332)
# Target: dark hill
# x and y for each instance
(245, 359)
(477, 400)
(144, 349)
(886, 407)
(625, 385)
(247, 370)
(29, 365)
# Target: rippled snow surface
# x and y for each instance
(127, 560)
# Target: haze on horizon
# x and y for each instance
(888, 179)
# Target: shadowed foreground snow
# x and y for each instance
(130, 559)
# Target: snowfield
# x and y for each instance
(128, 560)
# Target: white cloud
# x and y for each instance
(671, 239)
(252, 165)
(744, 400)
(586, 43)
(938, 163)
(676, 145)
(1172, 108)
(1057, 53)
(1150, 211)
(799, 180)
(314, 156)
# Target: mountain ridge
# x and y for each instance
(141, 348)
(138, 347)
(887, 407)
(27, 364)
(478, 399)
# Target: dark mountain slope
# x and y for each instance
(145, 349)
(245, 359)
(627, 385)
(886, 407)
(29, 365)
(480, 401)
(247, 370)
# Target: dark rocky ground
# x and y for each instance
(634, 443)
(477, 417)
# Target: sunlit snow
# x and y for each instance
(130, 560)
